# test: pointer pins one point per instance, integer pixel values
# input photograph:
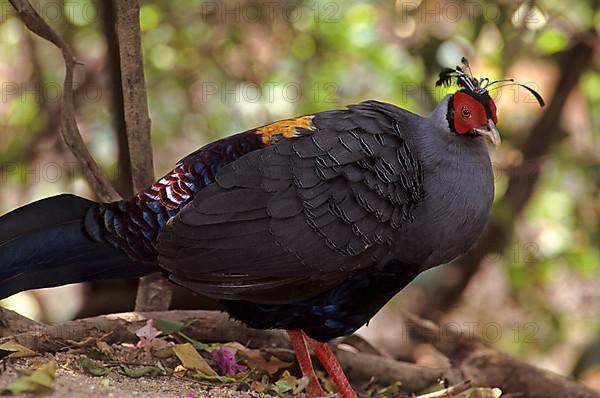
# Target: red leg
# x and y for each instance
(299, 343)
(333, 367)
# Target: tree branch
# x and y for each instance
(487, 367)
(68, 125)
(113, 66)
(135, 103)
(217, 327)
(12, 323)
(472, 359)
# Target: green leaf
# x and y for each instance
(92, 367)
(389, 391)
(283, 386)
(151, 371)
(215, 378)
(41, 381)
(169, 327)
(195, 343)
(287, 383)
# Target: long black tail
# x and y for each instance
(45, 244)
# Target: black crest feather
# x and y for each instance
(464, 78)
(446, 76)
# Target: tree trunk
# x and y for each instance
(154, 292)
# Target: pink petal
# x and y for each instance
(226, 363)
(148, 331)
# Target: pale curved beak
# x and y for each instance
(490, 132)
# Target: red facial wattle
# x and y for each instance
(493, 110)
(468, 113)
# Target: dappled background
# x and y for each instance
(532, 285)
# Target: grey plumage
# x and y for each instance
(373, 183)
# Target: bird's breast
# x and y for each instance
(455, 208)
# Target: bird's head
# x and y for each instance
(471, 110)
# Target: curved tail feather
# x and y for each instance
(45, 244)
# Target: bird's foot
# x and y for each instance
(333, 368)
(328, 360)
(299, 343)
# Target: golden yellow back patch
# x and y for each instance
(286, 128)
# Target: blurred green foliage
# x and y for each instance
(214, 68)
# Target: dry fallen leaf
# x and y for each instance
(256, 361)
(40, 381)
(105, 349)
(234, 346)
(485, 393)
(191, 359)
(260, 385)
(179, 371)
(18, 351)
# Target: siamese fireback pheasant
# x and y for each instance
(309, 224)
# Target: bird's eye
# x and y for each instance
(465, 112)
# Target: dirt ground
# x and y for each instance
(72, 384)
